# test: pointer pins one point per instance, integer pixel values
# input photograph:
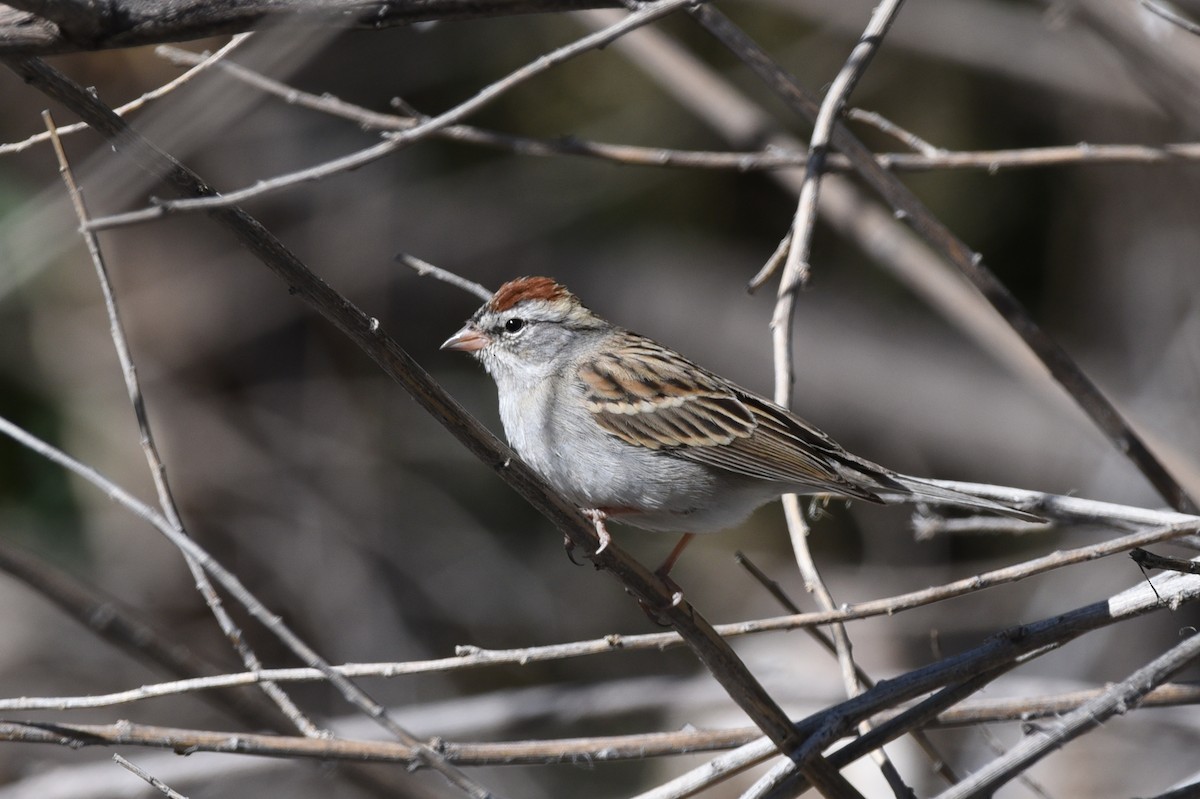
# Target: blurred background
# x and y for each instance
(379, 538)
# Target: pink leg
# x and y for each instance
(669, 563)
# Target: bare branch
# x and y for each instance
(773, 157)
(425, 268)
(1114, 701)
(200, 62)
(401, 139)
(796, 267)
(1064, 369)
(158, 471)
(130, 23)
(154, 781)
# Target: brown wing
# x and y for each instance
(651, 397)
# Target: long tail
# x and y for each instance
(922, 490)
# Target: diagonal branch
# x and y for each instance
(1061, 366)
(1117, 700)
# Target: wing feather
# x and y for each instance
(651, 397)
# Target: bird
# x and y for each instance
(631, 431)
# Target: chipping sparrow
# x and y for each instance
(631, 431)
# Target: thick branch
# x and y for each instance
(45, 27)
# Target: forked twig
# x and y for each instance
(796, 267)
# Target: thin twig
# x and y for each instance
(796, 266)
(844, 649)
(158, 471)
(773, 157)
(559, 750)
(794, 271)
(157, 783)
(199, 61)
(890, 128)
(424, 268)
(399, 140)
(895, 604)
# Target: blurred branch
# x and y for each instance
(49, 27)
(200, 62)
(401, 139)
(1163, 58)
(773, 157)
(158, 471)
(1064, 369)
(121, 627)
(796, 267)
(365, 331)
(353, 694)
(1171, 16)
(1018, 43)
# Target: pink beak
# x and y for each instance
(466, 340)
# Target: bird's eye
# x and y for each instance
(514, 324)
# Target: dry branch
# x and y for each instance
(42, 27)
(906, 205)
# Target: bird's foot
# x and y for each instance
(597, 517)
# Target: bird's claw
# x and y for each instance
(569, 547)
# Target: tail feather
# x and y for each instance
(922, 490)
